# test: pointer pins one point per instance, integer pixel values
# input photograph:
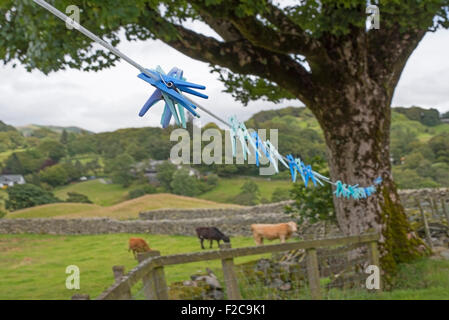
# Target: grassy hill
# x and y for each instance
(99, 193)
(229, 188)
(29, 129)
(129, 209)
(423, 133)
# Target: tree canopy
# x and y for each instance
(260, 47)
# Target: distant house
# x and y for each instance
(150, 169)
(9, 180)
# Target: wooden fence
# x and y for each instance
(434, 214)
(150, 269)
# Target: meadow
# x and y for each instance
(228, 188)
(33, 267)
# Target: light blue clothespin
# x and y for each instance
(238, 130)
(339, 191)
(274, 154)
(246, 136)
(234, 134)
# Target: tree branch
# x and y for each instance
(288, 39)
(239, 56)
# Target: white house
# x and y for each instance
(9, 180)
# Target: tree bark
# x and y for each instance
(357, 134)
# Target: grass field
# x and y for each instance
(228, 188)
(4, 155)
(129, 209)
(33, 266)
(99, 193)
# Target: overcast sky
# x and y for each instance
(112, 98)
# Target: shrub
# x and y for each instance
(185, 184)
(77, 198)
(313, 203)
(249, 194)
(280, 194)
(27, 195)
(136, 193)
(2, 214)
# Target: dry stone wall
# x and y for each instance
(175, 214)
(232, 226)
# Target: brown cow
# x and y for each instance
(138, 245)
(281, 231)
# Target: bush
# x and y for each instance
(280, 194)
(77, 198)
(249, 194)
(165, 173)
(23, 196)
(313, 203)
(2, 214)
(185, 184)
(136, 193)
(55, 175)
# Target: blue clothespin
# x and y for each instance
(293, 166)
(308, 172)
(169, 88)
(259, 145)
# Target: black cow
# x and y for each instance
(210, 233)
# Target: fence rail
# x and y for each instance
(150, 270)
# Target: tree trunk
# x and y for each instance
(357, 137)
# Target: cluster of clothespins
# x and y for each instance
(170, 87)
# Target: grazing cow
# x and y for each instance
(210, 233)
(281, 231)
(138, 245)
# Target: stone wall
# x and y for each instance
(232, 221)
(175, 214)
(232, 226)
(409, 195)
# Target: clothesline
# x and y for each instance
(170, 88)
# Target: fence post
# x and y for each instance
(446, 212)
(313, 274)
(149, 287)
(374, 257)
(230, 279)
(160, 283)
(432, 209)
(119, 272)
(435, 206)
(426, 225)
